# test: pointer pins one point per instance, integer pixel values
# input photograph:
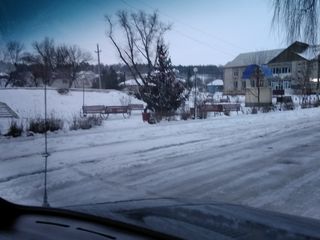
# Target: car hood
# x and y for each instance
(205, 220)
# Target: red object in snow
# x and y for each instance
(145, 117)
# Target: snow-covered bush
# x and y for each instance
(63, 91)
(184, 115)
(85, 123)
(38, 125)
(15, 129)
(266, 109)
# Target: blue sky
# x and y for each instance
(204, 31)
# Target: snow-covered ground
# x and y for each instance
(268, 161)
(29, 103)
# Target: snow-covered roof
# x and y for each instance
(180, 79)
(217, 82)
(261, 57)
(87, 74)
(3, 74)
(131, 82)
(310, 53)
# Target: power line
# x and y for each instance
(203, 43)
(190, 37)
(194, 28)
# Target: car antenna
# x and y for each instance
(45, 202)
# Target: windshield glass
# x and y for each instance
(107, 101)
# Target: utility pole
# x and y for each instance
(82, 92)
(98, 52)
(195, 70)
(258, 84)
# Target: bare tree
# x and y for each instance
(300, 18)
(61, 55)
(142, 33)
(303, 78)
(46, 56)
(2, 55)
(14, 51)
(35, 67)
(62, 60)
(13, 55)
(76, 57)
(69, 60)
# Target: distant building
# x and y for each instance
(86, 79)
(131, 85)
(294, 68)
(215, 86)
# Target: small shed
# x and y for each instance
(215, 86)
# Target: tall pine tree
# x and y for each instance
(164, 92)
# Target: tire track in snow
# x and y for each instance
(49, 170)
(194, 184)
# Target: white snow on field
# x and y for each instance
(268, 161)
(29, 103)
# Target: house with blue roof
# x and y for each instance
(293, 69)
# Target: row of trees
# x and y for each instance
(65, 62)
(47, 62)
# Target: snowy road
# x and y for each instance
(269, 161)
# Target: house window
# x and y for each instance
(287, 84)
(253, 83)
(243, 84)
(289, 70)
(236, 74)
(284, 70)
(279, 86)
(261, 83)
(235, 84)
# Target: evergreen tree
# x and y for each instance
(164, 92)
(109, 79)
